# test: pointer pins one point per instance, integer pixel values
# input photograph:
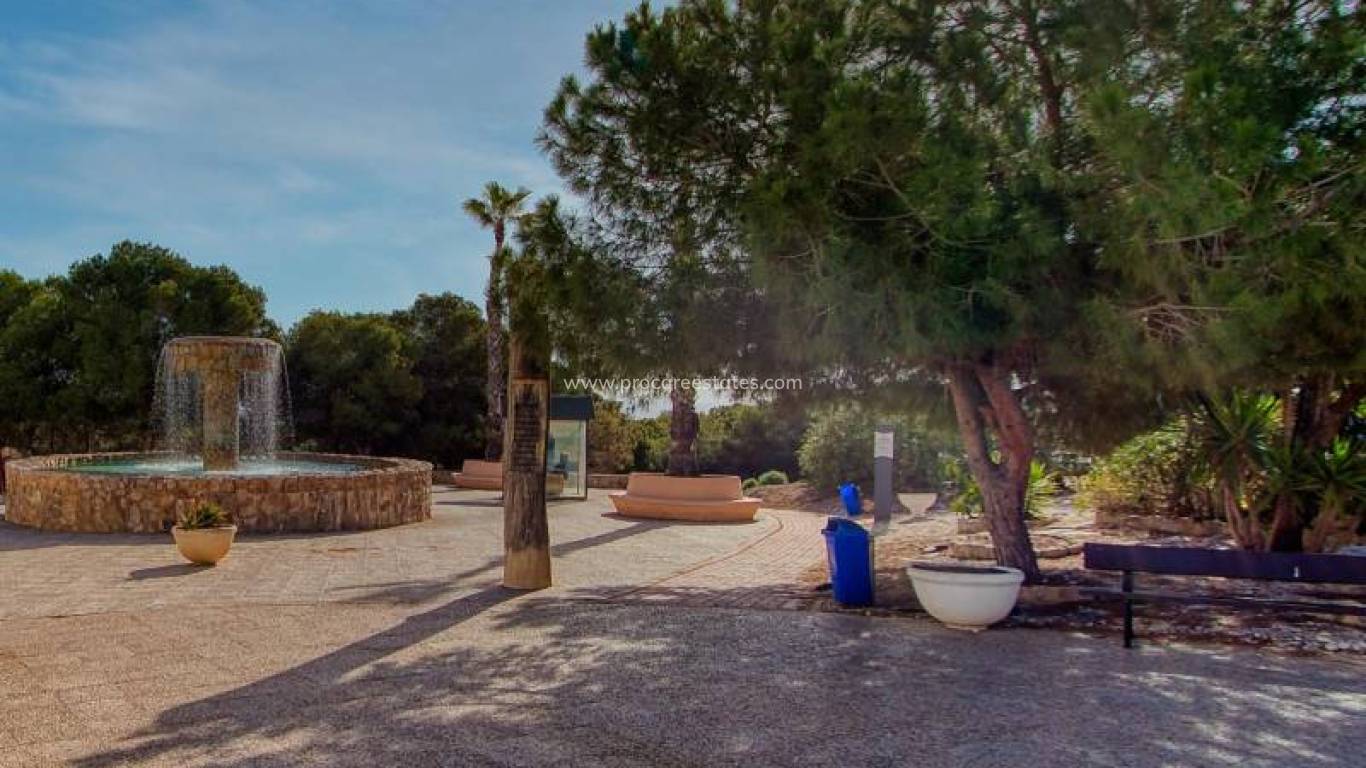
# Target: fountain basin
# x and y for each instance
(144, 492)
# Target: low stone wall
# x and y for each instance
(595, 480)
(43, 493)
(1168, 526)
(617, 482)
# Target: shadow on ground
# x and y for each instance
(164, 572)
(494, 678)
(16, 537)
(418, 591)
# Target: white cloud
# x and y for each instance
(282, 140)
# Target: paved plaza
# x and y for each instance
(662, 644)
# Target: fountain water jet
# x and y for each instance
(216, 392)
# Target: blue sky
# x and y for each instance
(321, 149)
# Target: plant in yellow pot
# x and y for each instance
(203, 534)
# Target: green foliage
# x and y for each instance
(410, 383)
(745, 439)
(838, 448)
(78, 352)
(611, 439)
(1231, 459)
(1235, 192)
(1234, 437)
(495, 210)
(773, 477)
(203, 515)
(650, 444)
(1336, 483)
(1154, 473)
(498, 207)
(967, 502)
(353, 386)
(446, 339)
(1079, 208)
(1275, 492)
(655, 282)
(749, 484)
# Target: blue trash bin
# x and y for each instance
(853, 506)
(849, 551)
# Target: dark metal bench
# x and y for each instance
(1224, 563)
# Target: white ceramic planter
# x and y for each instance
(970, 597)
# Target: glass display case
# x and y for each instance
(566, 455)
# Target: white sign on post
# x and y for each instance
(882, 445)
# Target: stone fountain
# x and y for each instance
(220, 370)
(223, 409)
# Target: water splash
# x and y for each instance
(264, 420)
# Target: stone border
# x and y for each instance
(595, 479)
(1169, 526)
(602, 480)
(389, 491)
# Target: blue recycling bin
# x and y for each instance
(849, 551)
(853, 506)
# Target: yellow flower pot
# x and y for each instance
(204, 546)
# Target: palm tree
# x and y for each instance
(493, 211)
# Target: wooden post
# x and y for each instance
(526, 532)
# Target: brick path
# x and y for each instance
(595, 555)
(764, 573)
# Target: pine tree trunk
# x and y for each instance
(982, 401)
(526, 531)
(683, 425)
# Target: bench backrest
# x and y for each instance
(1228, 563)
(703, 488)
(480, 468)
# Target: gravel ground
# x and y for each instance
(926, 536)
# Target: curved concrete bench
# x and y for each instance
(480, 475)
(709, 498)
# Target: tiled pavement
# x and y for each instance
(52, 574)
(762, 573)
(398, 648)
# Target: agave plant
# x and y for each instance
(1284, 495)
(1338, 479)
(1276, 495)
(1234, 436)
(1042, 486)
(206, 515)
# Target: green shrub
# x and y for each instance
(650, 443)
(1043, 485)
(773, 477)
(838, 448)
(749, 484)
(1155, 473)
(745, 439)
(611, 439)
(205, 515)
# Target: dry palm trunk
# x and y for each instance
(526, 532)
(497, 377)
(985, 406)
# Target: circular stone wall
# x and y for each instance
(43, 493)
